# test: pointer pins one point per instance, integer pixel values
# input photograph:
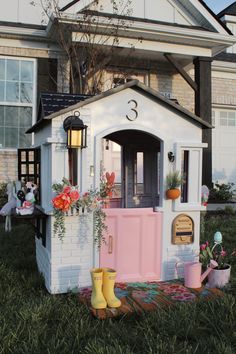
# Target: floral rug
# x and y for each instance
(140, 297)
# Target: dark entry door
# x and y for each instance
(140, 177)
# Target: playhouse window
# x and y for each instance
(17, 78)
(184, 173)
(29, 166)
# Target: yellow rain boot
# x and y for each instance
(97, 299)
(109, 276)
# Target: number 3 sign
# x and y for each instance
(134, 113)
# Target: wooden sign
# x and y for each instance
(182, 230)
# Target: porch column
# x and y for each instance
(63, 75)
(203, 107)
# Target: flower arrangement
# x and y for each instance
(215, 252)
(68, 199)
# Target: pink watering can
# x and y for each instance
(192, 273)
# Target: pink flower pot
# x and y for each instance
(218, 278)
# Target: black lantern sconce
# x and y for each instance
(171, 156)
(76, 132)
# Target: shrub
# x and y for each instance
(3, 193)
(222, 192)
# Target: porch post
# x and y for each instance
(203, 107)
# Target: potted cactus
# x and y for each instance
(173, 182)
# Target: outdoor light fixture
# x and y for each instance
(171, 156)
(76, 132)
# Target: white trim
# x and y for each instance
(224, 106)
(180, 144)
(147, 45)
(228, 18)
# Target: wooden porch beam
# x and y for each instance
(181, 71)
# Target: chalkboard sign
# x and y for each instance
(182, 230)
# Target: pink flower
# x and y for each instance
(223, 253)
(74, 195)
(203, 246)
(207, 243)
(67, 189)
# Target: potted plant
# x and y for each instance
(219, 276)
(173, 182)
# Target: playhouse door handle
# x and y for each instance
(110, 244)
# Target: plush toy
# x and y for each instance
(11, 204)
(28, 200)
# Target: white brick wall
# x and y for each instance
(179, 254)
(65, 265)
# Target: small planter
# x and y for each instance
(173, 193)
(218, 278)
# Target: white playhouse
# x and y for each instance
(141, 136)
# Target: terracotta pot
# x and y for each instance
(172, 193)
(218, 278)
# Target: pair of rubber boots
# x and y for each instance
(103, 281)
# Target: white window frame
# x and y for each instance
(193, 203)
(24, 104)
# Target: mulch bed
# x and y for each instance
(139, 297)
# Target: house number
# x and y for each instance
(134, 113)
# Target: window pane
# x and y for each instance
(231, 122)
(27, 71)
(12, 70)
(11, 137)
(223, 122)
(1, 116)
(11, 116)
(26, 92)
(223, 114)
(12, 91)
(24, 139)
(2, 69)
(2, 84)
(25, 117)
(1, 137)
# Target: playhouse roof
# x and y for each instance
(135, 85)
(51, 102)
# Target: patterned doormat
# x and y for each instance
(140, 297)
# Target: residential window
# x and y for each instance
(227, 118)
(17, 80)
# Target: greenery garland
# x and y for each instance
(89, 201)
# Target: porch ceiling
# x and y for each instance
(142, 140)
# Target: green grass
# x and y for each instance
(33, 321)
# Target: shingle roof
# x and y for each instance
(230, 10)
(51, 102)
(229, 57)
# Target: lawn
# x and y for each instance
(33, 321)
